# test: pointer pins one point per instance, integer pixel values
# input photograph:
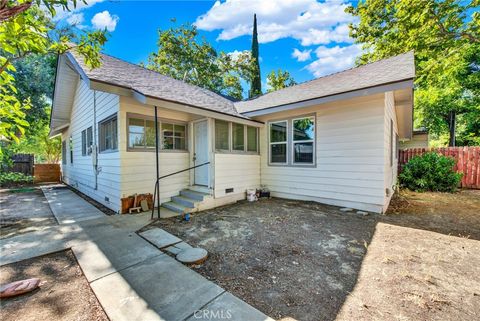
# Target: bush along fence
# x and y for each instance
(467, 161)
(23, 170)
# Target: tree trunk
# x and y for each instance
(451, 127)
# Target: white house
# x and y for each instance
(332, 140)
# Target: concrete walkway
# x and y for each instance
(132, 279)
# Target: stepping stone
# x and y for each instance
(362, 213)
(194, 255)
(177, 248)
(346, 209)
(160, 238)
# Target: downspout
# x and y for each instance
(95, 147)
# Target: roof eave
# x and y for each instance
(367, 91)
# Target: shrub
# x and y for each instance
(430, 172)
(11, 179)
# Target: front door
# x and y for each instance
(200, 132)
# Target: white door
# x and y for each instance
(200, 132)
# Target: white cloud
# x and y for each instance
(301, 55)
(333, 59)
(103, 20)
(65, 14)
(309, 21)
(76, 19)
(235, 54)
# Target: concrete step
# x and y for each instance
(201, 189)
(185, 201)
(166, 213)
(179, 208)
(199, 196)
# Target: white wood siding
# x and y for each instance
(81, 174)
(390, 170)
(350, 156)
(138, 168)
(236, 171)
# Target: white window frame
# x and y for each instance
(313, 141)
(101, 131)
(173, 123)
(256, 140)
(270, 143)
(229, 138)
(244, 137)
(230, 149)
(86, 148)
(160, 121)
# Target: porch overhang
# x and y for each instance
(154, 101)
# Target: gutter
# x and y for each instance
(390, 86)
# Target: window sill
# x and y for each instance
(293, 165)
(108, 151)
(233, 152)
(160, 151)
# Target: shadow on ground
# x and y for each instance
(24, 210)
(64, 292)
(286, 258)
(303, 259)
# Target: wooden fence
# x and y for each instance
(46, 173)
(467, 161)
(22, 163)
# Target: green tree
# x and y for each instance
(256, 81)
(445, 37)
(26, 28)
(34, 77)
(279, 79)
(182, 55)
(38, 142)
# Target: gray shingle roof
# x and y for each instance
(153, 84)
(384, 71)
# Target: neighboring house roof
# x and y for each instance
(386, 71)
(152, 84)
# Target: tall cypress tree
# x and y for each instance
(256, 83)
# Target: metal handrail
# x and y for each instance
(157, 186)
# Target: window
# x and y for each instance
(222, 137)
(292, 141)
(141, 133)
(278, 142)
(303, 139)
(71, 149)
(234, 137)
(64, 152)
(252, 139)
(87, 141)
(238, 137)
(173, 136)
(108, 134)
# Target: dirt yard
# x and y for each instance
(286, 258)
(455, 214)
(313, 262)
(23, 210)
(64, 292)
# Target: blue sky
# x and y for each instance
(309, 38)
